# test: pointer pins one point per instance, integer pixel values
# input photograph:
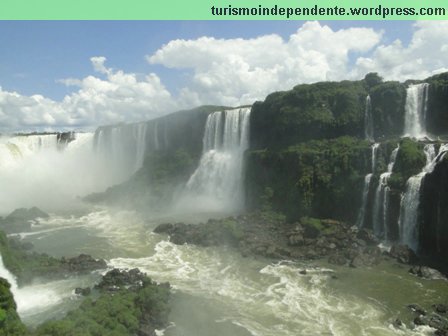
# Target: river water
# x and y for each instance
(219, 292)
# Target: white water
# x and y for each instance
(35, 165)
(216, 185)
(123, 147)
(368, 120)
(415, 111)
(360, 222)
(381, 200)
(410, 201)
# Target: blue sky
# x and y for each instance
(38, 53)
(161, 66)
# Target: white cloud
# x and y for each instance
(426, 54)
(238, 71)
(119, 97)
(230, 72)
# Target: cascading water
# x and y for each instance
(381, 201)
(415, 111)
(34, 171)
(122, 147)
(216, 183)
(410, 202)
(365, 193)
(368, 120)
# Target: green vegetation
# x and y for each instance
(410, 161)
(309, 111)
(117, 313)
(10, 323)
(317, 178)
(316, 227)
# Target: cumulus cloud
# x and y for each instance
(238, 71)
(118, 97)
(426, 54)
(230, 72)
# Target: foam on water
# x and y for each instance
(271, 300)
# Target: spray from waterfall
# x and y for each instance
(217, 182)
(416, 110)
(381, 200)
(410, 201)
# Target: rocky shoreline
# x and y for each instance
(268, 235)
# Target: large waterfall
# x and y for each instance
(368, 120)
(410, 202)
(415, 110)
(38, 170)
(381, 201)
(123, 147)
(216, 184)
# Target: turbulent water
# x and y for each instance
(415, 110)
(218, 292)
(217, 182)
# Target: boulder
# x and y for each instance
(403, 254)
(426, 273)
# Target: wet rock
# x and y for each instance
(82, 291)
(417, 309)
(20, 220)
(440, 308)
(367, 236)
(403, 254)
(337, 259)
(426, 273)
(397, 323)
(117, 279)
(83, 263)
(303, 272)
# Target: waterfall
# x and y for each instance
(415, 110)
(216, 184)
(381, 200)
(365, 192)
(410, 201)
(368, 120)
(122, 148)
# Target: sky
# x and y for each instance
(61, 75)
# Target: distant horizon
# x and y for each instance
(68, 75)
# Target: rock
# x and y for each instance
(24, 214)
(397, 323)
(82, 291)
(83, 263)
(337, 259)
(403, 254)
(295, 239)
(426, 273)
(20, 219)
(440, 308)
(417, 309)
(368, 257)
(303, 272)
(116, 279)
(367, 236)
(164, 228)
